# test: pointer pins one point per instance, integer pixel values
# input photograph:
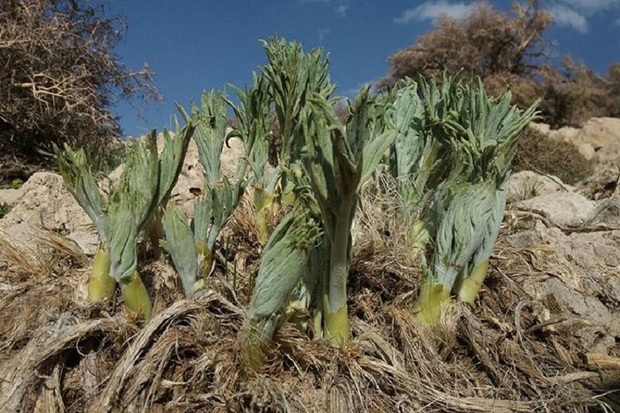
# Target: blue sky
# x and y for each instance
(199, 45)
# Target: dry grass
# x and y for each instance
(58, 353)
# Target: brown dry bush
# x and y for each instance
(538, 153)
(510, 51)
(59, 78)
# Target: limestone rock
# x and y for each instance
(46, 204)
(602, 135)
(10, 196)
(583, 275)
(527, 184)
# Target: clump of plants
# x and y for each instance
(537, 152)
(459, 157)
(191, 245)
(449, 147)
(119, 217)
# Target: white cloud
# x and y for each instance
(566, 17)
(590, 7)
(342, 10)
(431, 10)
(575, 14)
(341, 7)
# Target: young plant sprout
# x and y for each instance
(253, 127)
(213, 209)
(284, 261)
(479, 135)
(339, 161)
(145, 184)
(332, 162)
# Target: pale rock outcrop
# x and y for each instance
(581, 276)
(527, 184)
(597, 139)
(46, 204)
(10, 196)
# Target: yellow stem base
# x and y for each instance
(101, 285)
(136, 297)
(428, 308)
(337, 326)
(205, 259)
(469, 287)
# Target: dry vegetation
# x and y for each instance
(538, 153)
(59, 78)
(60, 354)
(510, 50)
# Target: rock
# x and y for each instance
(604, 183)
(527, 184)
(580, 277)
(563, 209)
(10, 196)
(581, 280)
(601, 134)
(565, 134)
(540, 127)
(46, 204)
(587, 150)
(571, 211)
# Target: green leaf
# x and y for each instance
(182, 247)
(79, 180)
(463, 225)
(282, 267)
(123, 229)
(171, 160)
(210, 134)
(213, 210)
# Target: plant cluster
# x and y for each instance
(448, 147)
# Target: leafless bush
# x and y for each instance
(59, 76)
(509, 50)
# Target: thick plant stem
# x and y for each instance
(263, 201)
(204, 260)
(101, 285)
(252, 352)
(428, 308)
(419, 237)
(337, 325)
(335, 310)
(469, 287)
(155, 232)
(136, 297)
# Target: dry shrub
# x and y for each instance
(62, 76)
(538, 153)
(508, 50)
